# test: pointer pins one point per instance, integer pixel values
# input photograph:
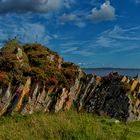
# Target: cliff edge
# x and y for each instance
(35, 79)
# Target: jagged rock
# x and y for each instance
(61, 100)
(19, 54)
(5, 100)
(25, 92)
(34, 79)
(134, 84)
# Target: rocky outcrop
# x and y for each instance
(90, 93)
(36, 79)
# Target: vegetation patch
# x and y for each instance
(66, 126)
(19, 61)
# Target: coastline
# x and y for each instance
(132, 72)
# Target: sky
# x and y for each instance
(90, 33)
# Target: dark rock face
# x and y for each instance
(108, 98)
(113, 95)
(48, 84)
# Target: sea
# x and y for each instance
(106, 71)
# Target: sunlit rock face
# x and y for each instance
(35, 79)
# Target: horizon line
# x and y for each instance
(108, 68)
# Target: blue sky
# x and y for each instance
(91, 33)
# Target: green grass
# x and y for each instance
(66, 126)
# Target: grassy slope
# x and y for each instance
(66, 126)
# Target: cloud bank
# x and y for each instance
(22, 27)
(105, 13)
(42, 6)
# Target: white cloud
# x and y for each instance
(104, 41)
(105, 13)
(69, 3)
(69, 50)
(95, 2)
(34, 32)
(84, 53)
(119, 39)
(69, 18)
(21, 26)
(82, 64)
(30, 5)
(75, 19)
(119, 33)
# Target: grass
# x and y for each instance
(66, 126)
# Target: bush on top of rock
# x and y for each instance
(18, 61)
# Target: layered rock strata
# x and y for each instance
(27, 85)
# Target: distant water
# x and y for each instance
(106, 71)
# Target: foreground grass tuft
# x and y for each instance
(66, 126)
